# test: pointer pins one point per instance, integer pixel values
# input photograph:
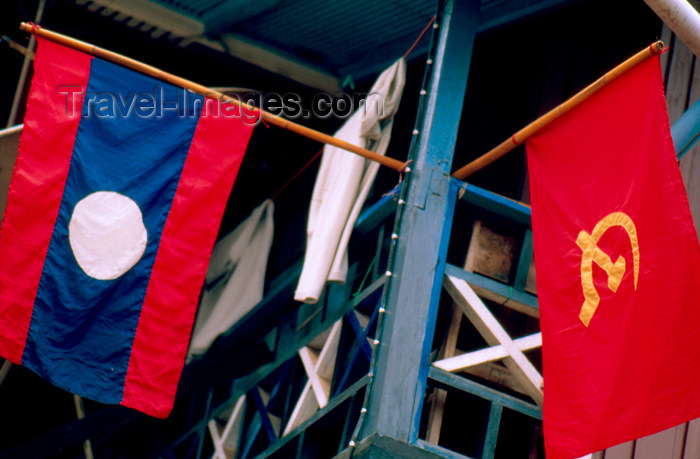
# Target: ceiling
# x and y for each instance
(322, 44)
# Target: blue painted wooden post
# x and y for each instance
(686, 131)
(492, 431)
(397, 392)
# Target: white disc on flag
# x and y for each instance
(107, 234)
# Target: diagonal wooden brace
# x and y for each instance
(494, 334)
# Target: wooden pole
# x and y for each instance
(540, 123)
(203, 90)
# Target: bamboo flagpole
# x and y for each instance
(203, 90)
(540, 123)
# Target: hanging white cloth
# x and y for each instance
(235, 278)
(343, 183)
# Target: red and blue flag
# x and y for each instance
(114, 206)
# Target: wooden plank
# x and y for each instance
(692, 440)
(9, 143)
(310, 360)
(492, 429)
(473, 242)
(678, 80)
(226, 440)
(690, 162)
(695, 84)
(492, 331)
(231, 434)
(306, 406)
(80, 412)
(490, 252)
(326, 363)
(621, 451)
(319, 367)
(489, 354)
(666, 35)
(4, 370)
(215, 435)
(667, 444)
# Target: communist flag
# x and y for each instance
(114, 206)
(618, 270)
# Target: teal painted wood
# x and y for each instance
(202, 435)
(243, 384)
(524, 261)
(378, 446)
(347, 430)
(496, 203)
(494, 286)
(349, 393)
(300, 445)
(360, 340)
(360, 333)
(261, 418)
(443, 452)
(492, 428)
(397, 391)
(450, 380)
(686, 131)
(433, 308)
(378, 212)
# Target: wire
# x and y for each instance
(419, 37)
(313, 158)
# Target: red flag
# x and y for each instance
(618, 270)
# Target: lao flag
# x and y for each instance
(114, 206)
(618, 270)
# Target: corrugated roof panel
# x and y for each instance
(197, 8)
(338, 37)
(336, 34)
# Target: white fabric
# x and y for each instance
(107, 234)
(235, 278)
(343, 182)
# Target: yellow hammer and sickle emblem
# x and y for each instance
(591, 252)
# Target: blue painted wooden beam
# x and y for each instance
(496, 203)
(360, 341)
(332, 405)
(499, 288)
(378, 212)
(440, 451)
(449, 380)
(492, 428)
(360, 334)
(686, 131)
(378, 446)
(422, 228)
(524, 261)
